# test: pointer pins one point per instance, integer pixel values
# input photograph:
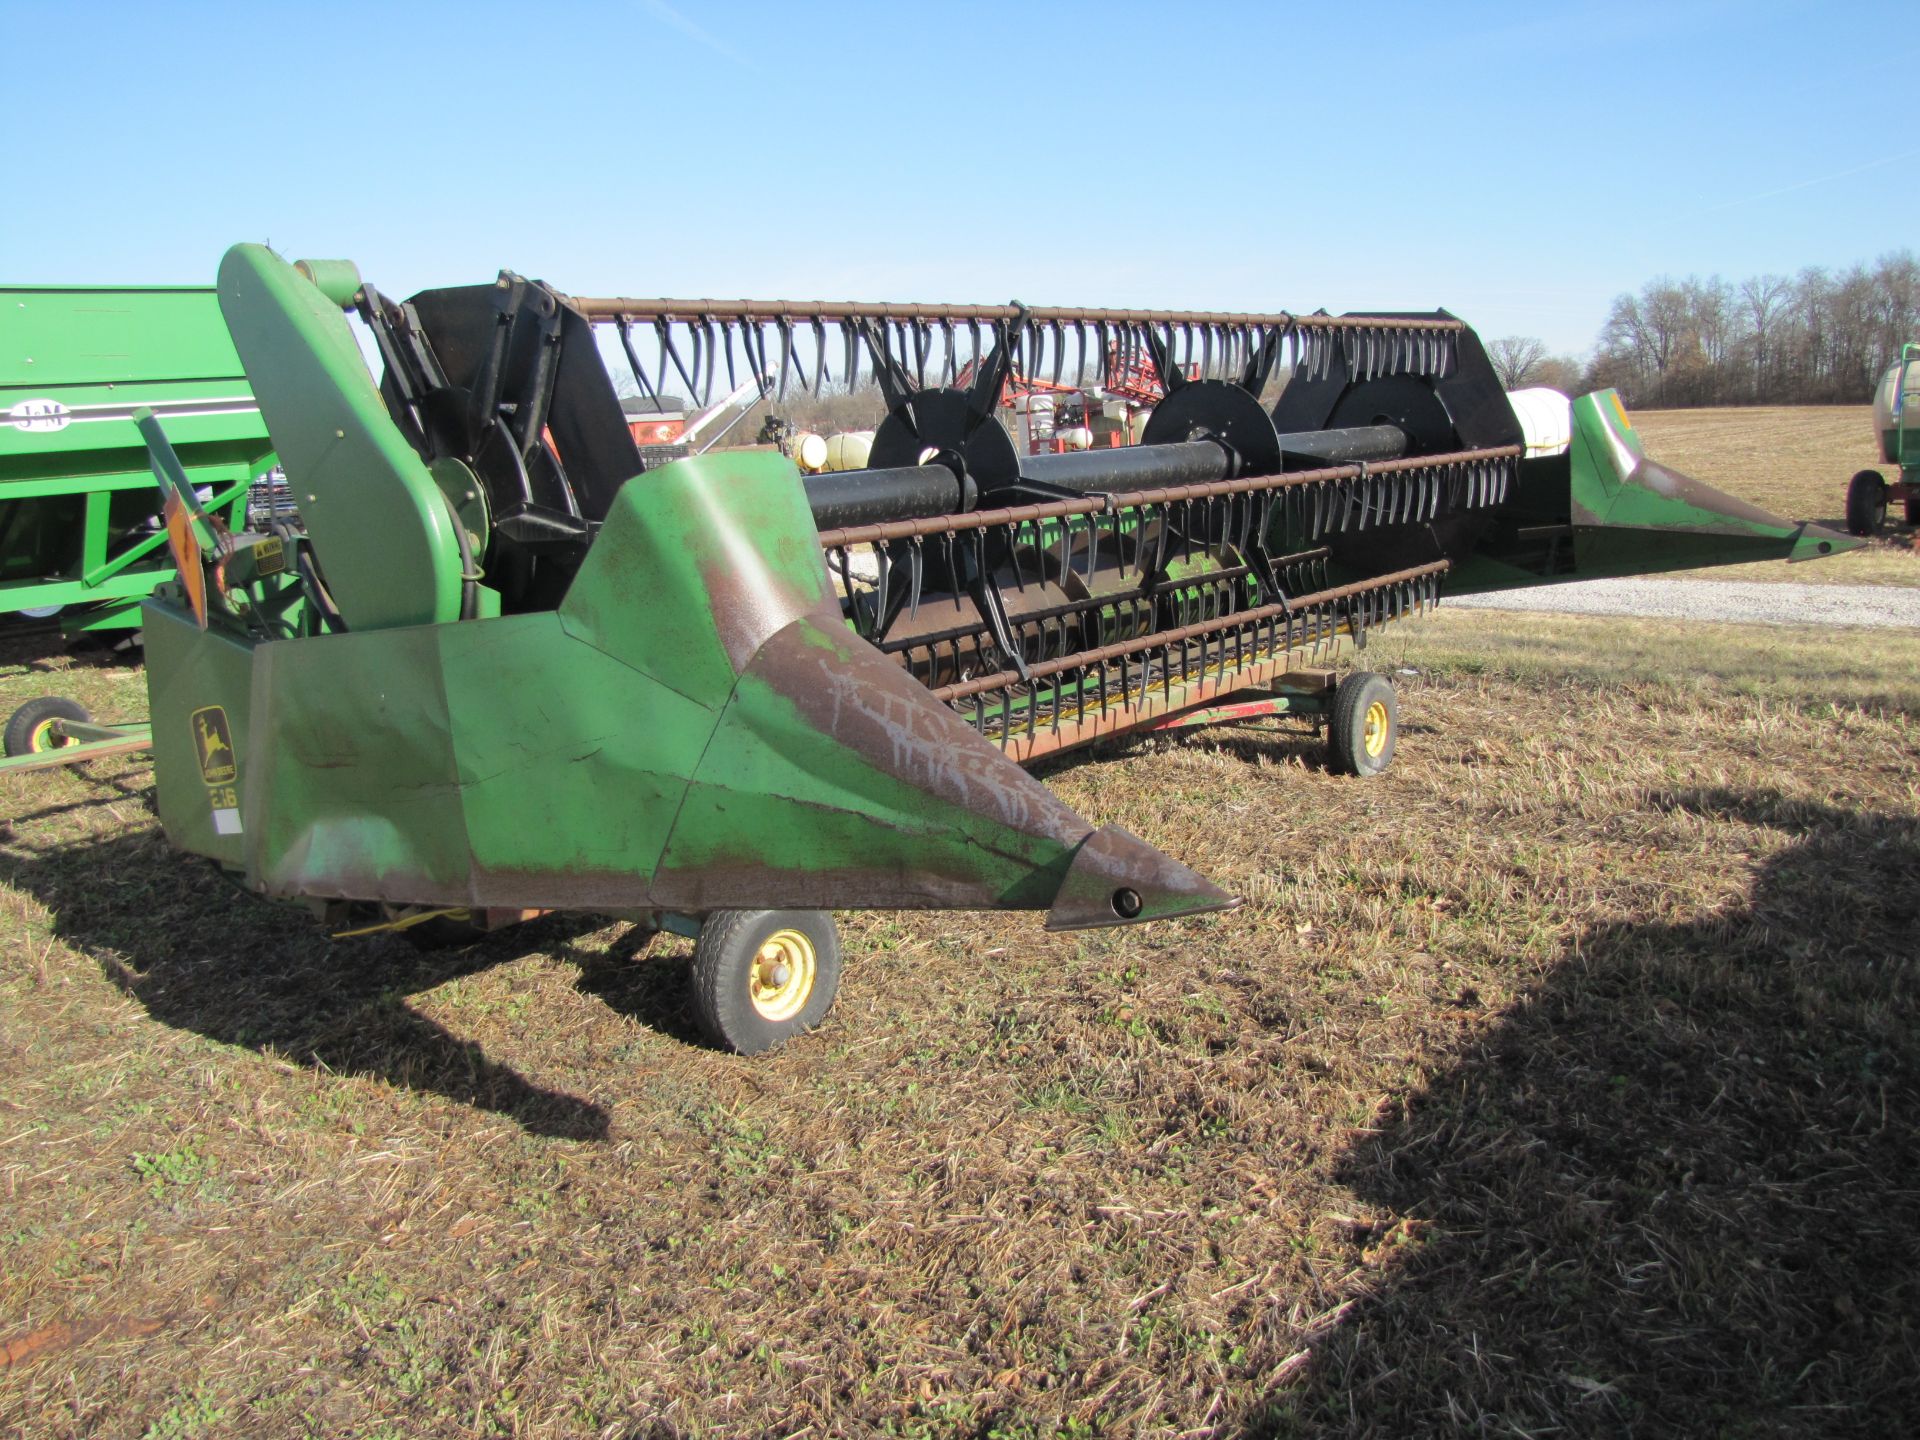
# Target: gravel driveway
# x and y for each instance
(1741, 601)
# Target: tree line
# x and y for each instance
(1819, 337)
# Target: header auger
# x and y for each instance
(498, 666)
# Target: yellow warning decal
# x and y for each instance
(213, 738)
(269, 557)
(1619, 409)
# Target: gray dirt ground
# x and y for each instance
(1737, 601)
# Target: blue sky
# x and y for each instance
(1518, 164)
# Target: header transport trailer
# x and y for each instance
(79, 519)
(501, 665)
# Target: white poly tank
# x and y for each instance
(1546, 420)
(1075, 437)
(1137, 425)
(849, 450)
(1888, 408)
(810, 452)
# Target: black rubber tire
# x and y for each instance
(725, 958)
(1347, 730)
(1866, 502)
(24, 736)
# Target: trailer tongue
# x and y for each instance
(500, 666)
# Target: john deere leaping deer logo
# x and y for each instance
(214, 740)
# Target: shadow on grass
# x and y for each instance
(655, 993)
(110, 782)
(1677, 1191)
(203, 956)
(39, 647)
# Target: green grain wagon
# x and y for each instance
(79, 529)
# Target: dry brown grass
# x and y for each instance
(1796, 460)
(1563, 1079)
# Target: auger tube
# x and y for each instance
(918, 492)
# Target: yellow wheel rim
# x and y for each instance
(43, 739)
(1376, 736)
(782, 975)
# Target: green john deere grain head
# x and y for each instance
(499, 660)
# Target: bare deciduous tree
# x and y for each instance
(1516, 359)
(1816, 338)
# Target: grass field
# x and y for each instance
(1796, 461)
(1563, 1080)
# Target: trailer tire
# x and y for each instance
(29, 729)
(1365, 724)
(1866, 502)
(760, 977)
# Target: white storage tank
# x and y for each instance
(810, 452)
(849, 450)
(1546, 420)
(1889, 408)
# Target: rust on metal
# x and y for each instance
(1095, 505)
(1254, 616)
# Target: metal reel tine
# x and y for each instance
(625, 327)
(726, 345)
(668, 351)
(916, 568)
(785, 327)
(846, 570)
(756, 337)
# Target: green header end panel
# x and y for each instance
(546, 760)
(1634, 516)
(380, 527)
(697, 564)
(199, 695)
